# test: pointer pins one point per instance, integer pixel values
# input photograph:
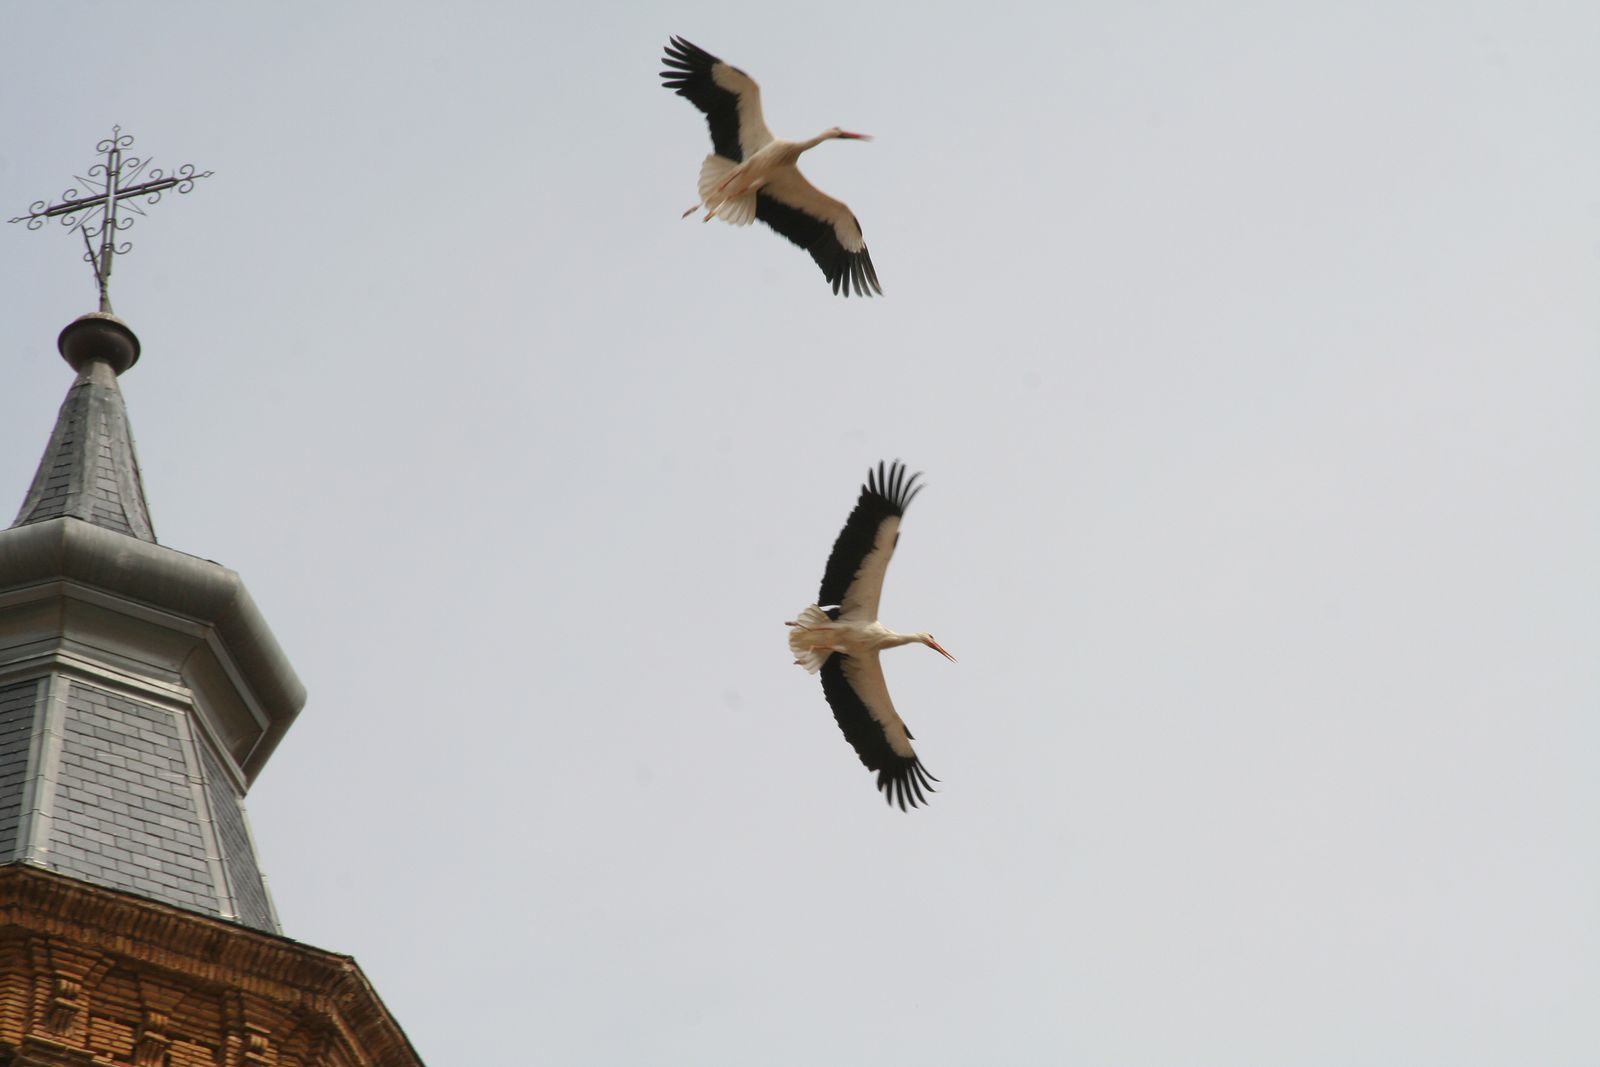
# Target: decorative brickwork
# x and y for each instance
(90, 976)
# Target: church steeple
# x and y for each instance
(90, 470)
(141, 692)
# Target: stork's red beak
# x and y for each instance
(937, 647)
(847, 135)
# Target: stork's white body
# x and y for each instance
(728, 190)
(813, 635)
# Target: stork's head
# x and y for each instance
(846, 135)
(928, 640)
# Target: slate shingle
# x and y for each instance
(90, 470)
(17, 706)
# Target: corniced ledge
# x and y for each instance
(268, 977)
(68, 549)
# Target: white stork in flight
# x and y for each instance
(843, 639)
(752, 176)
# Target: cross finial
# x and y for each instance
(94, 211)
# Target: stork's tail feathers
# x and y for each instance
(805, 634)
(740, 211)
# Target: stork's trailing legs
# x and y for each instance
(711, 214)
(731, 189)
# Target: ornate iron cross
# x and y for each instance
(94, 211)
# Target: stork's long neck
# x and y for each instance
(806, 146)
(894, 640)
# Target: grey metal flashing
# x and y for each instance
(232, 630)
(35, 667)
(239, 873)
(19, 707)
(90, 470)
(201, 798)
(269, 910)
(44, 759)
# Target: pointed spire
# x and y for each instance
(89, 470)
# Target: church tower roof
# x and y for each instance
(140, 689)
(89, 470)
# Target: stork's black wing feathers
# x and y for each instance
(902, 779)
(841, 267)
(887, 494)
(688, 73)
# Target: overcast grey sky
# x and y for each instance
(1253, 357)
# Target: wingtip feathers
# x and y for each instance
(891, 484)
(907, 784)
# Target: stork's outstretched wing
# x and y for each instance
(860, 701)
(821, 225)
(730, 98)
(853, 578)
